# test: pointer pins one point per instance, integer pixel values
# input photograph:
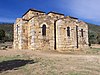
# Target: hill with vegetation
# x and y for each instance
(8, 30)
(94, 32)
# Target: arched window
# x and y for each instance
(44, 30)
(68, 31)
(82, 32)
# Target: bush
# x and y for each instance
(2, 34)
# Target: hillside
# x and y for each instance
(8, 28)
(94, 32)
(94, 28)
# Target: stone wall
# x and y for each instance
(20, 34)
(17, 33)
(37, 40)
(75, 40)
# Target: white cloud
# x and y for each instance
(85, 9)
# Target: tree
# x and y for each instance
(98, 38)
(93, 37)
(2, 34)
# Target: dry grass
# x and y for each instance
(51, 63)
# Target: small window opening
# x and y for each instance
(44, 30)
(37, 13)
(82, 32)
(68, 31)
(17, 29)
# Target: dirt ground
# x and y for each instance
(29, 62)
(95, 45)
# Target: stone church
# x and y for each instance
(38, 30)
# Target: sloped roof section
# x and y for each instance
(33, 10)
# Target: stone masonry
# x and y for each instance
(37, 30)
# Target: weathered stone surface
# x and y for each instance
(28, 32)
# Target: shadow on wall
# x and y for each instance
(14, 64)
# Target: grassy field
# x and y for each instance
(28, 62)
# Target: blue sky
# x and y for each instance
(86, 10)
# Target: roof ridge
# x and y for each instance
(55, 12)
